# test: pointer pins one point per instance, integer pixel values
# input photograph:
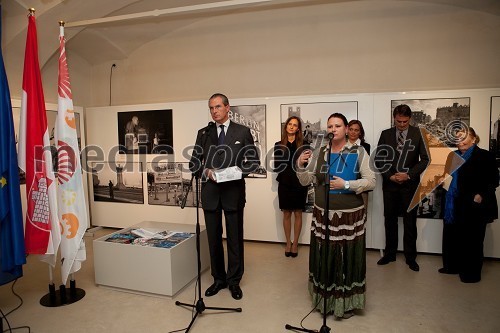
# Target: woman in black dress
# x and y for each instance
(291, 195)
(356, 134)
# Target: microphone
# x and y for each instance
(330, 136)
(208, 127)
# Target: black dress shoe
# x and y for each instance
(385, 260)
(447, 271)
(470, 279)
(214, 288)
(413, 265)
(236, 292)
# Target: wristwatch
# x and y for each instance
(346, 185)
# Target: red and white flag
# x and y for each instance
(42, 233)
(70, 194)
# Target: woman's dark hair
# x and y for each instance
(361, 129)
(299, 136)
(339, 115)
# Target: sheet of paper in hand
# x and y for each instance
(228, 174)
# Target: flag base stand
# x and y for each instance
(62, 297)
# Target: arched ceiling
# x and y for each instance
(116, 40)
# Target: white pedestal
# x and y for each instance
(149, 269)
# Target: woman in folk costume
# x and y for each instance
(349, 175)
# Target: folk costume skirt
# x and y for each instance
(341, 280)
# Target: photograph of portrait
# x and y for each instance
(169, 182)
(253, 117)
(119, 182)
(145, 132)
(314, 118)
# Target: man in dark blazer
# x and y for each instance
(401, 157)
(221, 145)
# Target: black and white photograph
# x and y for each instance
(494, 127)
(314, 118)
(145, 132)
(119, 182)
(439, 116)
(253, 117)
(168, 183)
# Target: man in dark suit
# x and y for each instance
(219, 146)
(401, 157)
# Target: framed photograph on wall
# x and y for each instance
(314, 118)
(253, 117)
(495, 127)
(440, 117)
(119, 182)
(168, 183)
(145, 132)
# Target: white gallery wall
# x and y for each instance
(341, 47)
(262, 215)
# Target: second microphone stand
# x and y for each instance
(325, 247)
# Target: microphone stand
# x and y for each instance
(199, 306)
(184, 198)
(325, 245)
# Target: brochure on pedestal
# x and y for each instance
(147, 237)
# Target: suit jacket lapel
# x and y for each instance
(213, 136)
(392, 138)
(413, 133)
(229, 133)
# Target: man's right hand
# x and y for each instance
(209, 173)
(399, 177)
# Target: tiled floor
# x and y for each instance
(275, 294)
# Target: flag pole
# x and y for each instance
(43, 236)
(49, 299)
(51, 275)
(72, 247)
